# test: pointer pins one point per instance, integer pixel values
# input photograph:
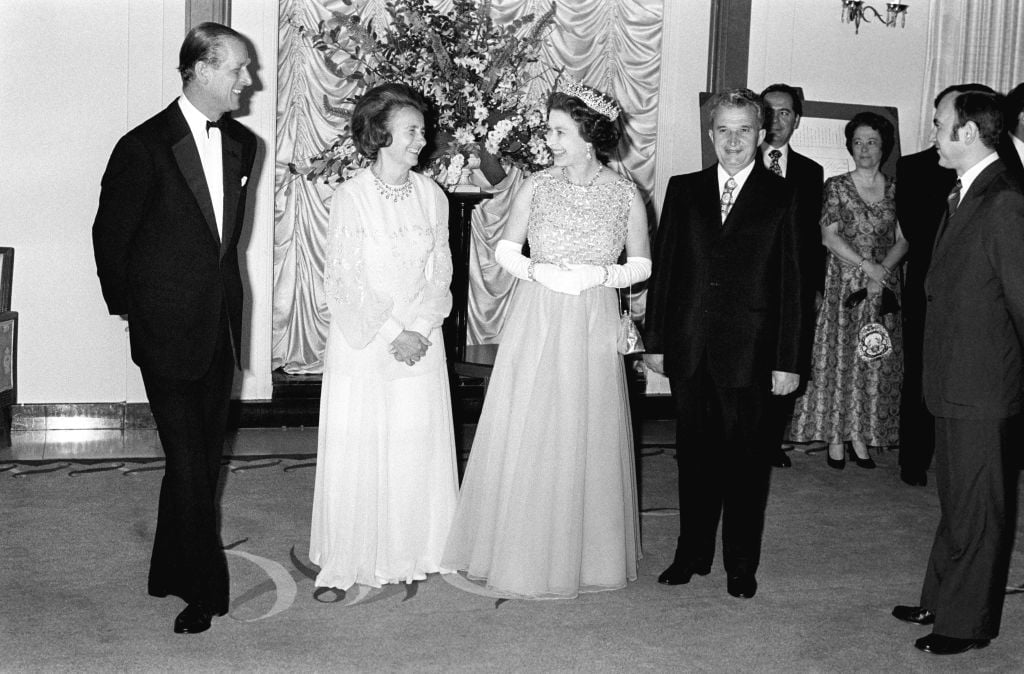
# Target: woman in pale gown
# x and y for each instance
(386, 481)
(548, 504)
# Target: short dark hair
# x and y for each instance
(594, 128)
(204, 43)
(963, 88)
(736, 98)
(1012, 106)
(373, 111)
(795, 93)
(872, 120)
(985, 110)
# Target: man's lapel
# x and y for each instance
(186, 154)
(952, 226)
(231, 156)
(748, 196)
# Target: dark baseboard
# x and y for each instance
(295, 403)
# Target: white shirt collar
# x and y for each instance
(740, 178)
(196, 119)
(970, 174)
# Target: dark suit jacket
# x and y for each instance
(974, 336)
(1008, 153)
(729, 291)
(921, 190)
(156, 244)
(808, 178)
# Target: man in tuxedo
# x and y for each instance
(921, 189)
(973, 378)
(724, 322)
(783, 109)
(165, 238)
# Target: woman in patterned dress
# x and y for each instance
(548, 504)
(849, 399)
(386, 480)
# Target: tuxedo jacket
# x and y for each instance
(730, 292)
(974, 324)
(808, 179)
(158, 254)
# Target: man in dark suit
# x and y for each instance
(921, 189)
(724, 321)
(973, 378)
(783, 109)
(165, 237)
(1012, 150)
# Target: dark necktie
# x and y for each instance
(775, 167)
(211, 125)
(726, 202)
(953, 200)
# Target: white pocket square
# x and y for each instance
(245, 179)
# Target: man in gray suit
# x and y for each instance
(973, 378)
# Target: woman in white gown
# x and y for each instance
(548, 504)
(386, 481)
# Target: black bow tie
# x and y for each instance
(212, 125)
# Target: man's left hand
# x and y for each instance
(784, 383)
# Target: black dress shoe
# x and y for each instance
(915, 478)
(193, 620)
(838, 464)
(743, 587)
(679, 573)
(780, 460)
(936, 644)
(914, 614)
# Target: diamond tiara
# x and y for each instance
(593, 98)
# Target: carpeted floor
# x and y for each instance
(841, 548)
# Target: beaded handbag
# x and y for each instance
(628, 341)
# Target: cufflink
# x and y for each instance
(245, 179)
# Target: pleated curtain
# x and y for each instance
(614, 45)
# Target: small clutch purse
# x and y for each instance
(628, 339)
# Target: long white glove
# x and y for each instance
(509, 255)
(635, 270)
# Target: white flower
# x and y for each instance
(464, 136)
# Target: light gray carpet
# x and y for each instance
(841, 548)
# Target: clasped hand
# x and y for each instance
(569, 279)
(409, 347)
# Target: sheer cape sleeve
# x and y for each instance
(355, 307)
(435, 301)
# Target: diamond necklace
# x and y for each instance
(589, 183)
(390, 192)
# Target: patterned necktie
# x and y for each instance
(726, 202)
(953, 200)
(775, 167)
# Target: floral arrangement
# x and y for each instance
(473, 72)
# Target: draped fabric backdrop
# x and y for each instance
(614, 45)
(972, 42)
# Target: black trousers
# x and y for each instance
(917, 425)
(191, 419)
(723, 474)
(965, 582)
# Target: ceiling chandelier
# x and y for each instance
(856, 11)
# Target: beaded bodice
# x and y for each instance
(576, 224)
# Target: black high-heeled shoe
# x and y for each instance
(838, 464)
(867, 463)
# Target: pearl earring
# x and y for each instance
(590, 155)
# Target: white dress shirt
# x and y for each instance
(970, 174)
(209, 146)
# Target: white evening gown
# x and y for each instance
(548, 506)
(386, 481)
